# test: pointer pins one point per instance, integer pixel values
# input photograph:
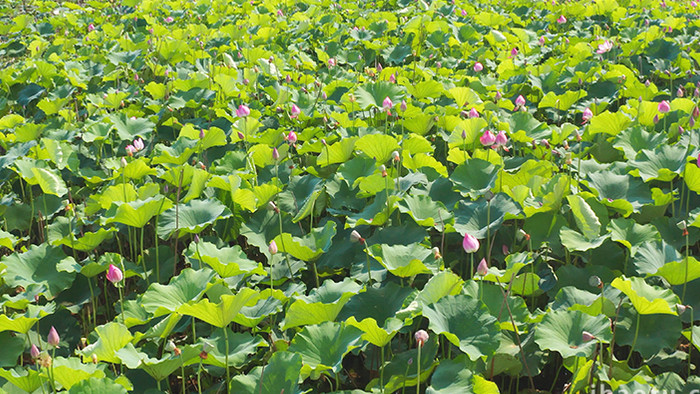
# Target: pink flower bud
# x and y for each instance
(514, 52)
(541, 40)
(392, 78)
(356, 237)
(482, 268)
(387, 104)
(240, 136)
(280, 13)
(664, 107)
(561, 19)
(587, 115)
(91, 27)
(473, 113)
(295, 111)
(169, 19)
(331, 62)
(53, 338)
(242, 111)
(587, 336)
(478, 66)
(275, 154)
(519, 101)
(656, 119)
(114, 274)
(379, 67)
(487, 139)
(421, 337)
(272, 247)
(470, 243)
(501, 138)
(504, 249)
(291, 137)
(403, 106)
(34, 351)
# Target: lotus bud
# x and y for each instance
(94, 358)
(242, 111)
(595, 281)
(519, 101)
(501, 138)
(275, 154)
(524, 234)
(436, 253)
(464, 134)
(696, 112)
(421, 337)
(482, 268)
(382, 168)
(295, 111)
(498, 96)
(561, 19)
(272, 247)
(240, 136)
(679, 92)
(504, 249)
(201, 134)
(123, 162)
(34, 352)
(379, 67)
(291, 137)
(487, 138)
(541, 40)
(470, 243)
(680, 130)
(681, 308)
(114, 274)
(514, 52)
(478, 66)
(53, 338)
(656, 119)
(356, 237)
(587, 336)
(664, 107)
(473, 113)
(387, 104)
(587, 115)
(324, 95)
(392, 78)
(403, 106)
(395, 156)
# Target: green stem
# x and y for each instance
(381, 370)
(418, 375)
(199, 377)
(121, 300)
(634, 341)
(369, 272)
(228, 373)
(53, 381)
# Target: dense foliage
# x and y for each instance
(372, 196)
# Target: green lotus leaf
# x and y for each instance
(138, 213)
(378, 303)
(50, 181)
(130, 129)
(403, 260)
(562, 331)
(609, 123)
(377, 146)
(68, 372)
(43, 265)
(680, 272)
(311, 246)
(138, 169)
(191, 218)
(691, 176)
(378, 336)
(402, 370)
(662, 163)
(464, 95)
(159, 369)
(89, 241)
(475, 177)
(226, 261)
(652, 255)
(633, 139)
(12, 348)
(281, 375)
(240, 346)
(373, 94)
(20, 324)
(222, 313)
(650, 339)
(97, 385)
(586, 219)
(188, 286)
(575, 241)
(323, 346)
(322, 305)
(212, 137)
(425, 211)
(477, 217)
(269, 304)
(338, 152)
(111, 338)
(27, 380)
(645, 298)
(632, 234)
(466, 323)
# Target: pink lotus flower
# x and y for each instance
(656, 119)
(392, 78)
(331, 62)
(482, 268)
(487, 139)
(272, 247)
(501, 138)
(421, 337)
(473, 113)
(561, 19)
(478, 66)
(404, 106)
(275, 154)
(34, 351)
(587, 115)
(464, 12)
(664, 107)
(280, 13)
(379, 67)
(387, 104)
(242, 111)
(53, 338)
(138, 144)
(91, 27)
(114, 274)
(291, 137)
(514, 52)
(295, 111)
(541, 40)
(130, 150)
(604, 47)
(470, 243)
(519, 101)
(680, 92)
(169, 19)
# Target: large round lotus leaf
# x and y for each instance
(474, 177)
(190, 218)
(44, 265)
(138, 213)
(656, 331)
(402, 261)
(454, 376)
(475, 217)
(378, 303)
(562, 331)
(189, 285)
(280, 375)
(466, 323)
(220, 314)
(97, 386)
(645, 298)
(323, 346)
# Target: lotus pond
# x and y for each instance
(273, 196)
